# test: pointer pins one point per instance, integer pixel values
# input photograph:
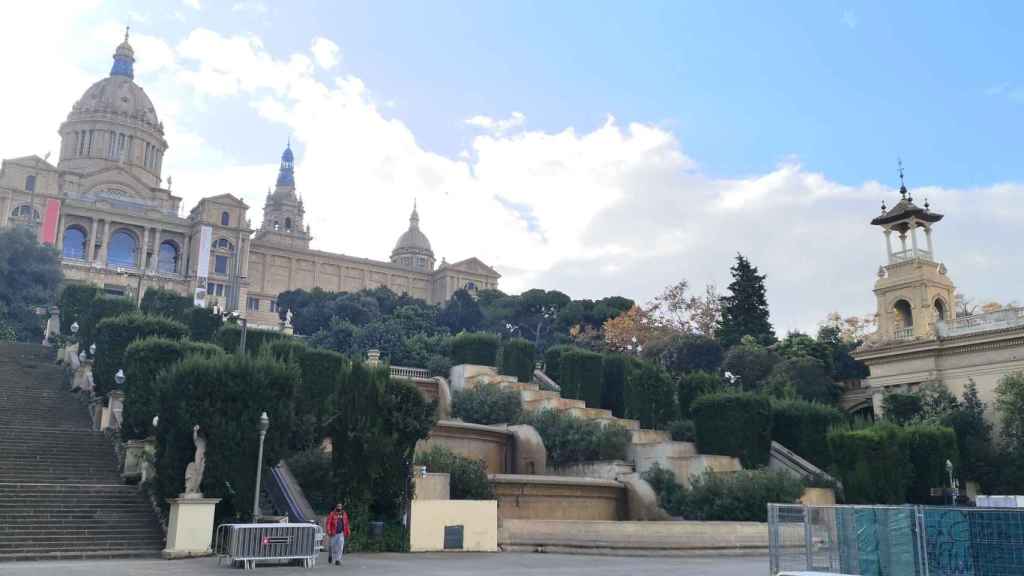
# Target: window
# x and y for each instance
(214, 289)
(288, 224)
(273, 305)
(167, 259)
(253, 304)
(123, 249)
(277, 225)
(81, 142)
(25, 212)
(225, 218)
(224, 244)
(220, 289)
(30, 183)
(74, 243)
(220, 264)
(112, 146)
(88, 150)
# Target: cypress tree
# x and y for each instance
(745, 309)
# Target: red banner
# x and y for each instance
(48, 231)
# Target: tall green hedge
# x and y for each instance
(480, 348)
(734, 424)
(314, 402)
(229, 335)
(517, 359)
(224, 395)
(650, 395)
(613, 384)
(166, 303)
(101, 307)
(203, 324)
(75, 302)
(144, 360)
(929, 447)
(553, 362)
(692, 385)
(803, 427)
(582, 372)
(873, 464)
(113, 335)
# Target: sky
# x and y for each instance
(596, 148)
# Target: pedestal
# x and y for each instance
(190, 528)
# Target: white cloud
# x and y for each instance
(326, 53)
(849, 19)
(193, 4)
(250, 6)
(595, 211)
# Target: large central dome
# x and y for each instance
(118, 94)
(413, 247)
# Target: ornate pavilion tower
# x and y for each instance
(283, 210)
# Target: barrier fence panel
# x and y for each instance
(247, 544)
(896, 540)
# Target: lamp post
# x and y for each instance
(74, 331)
(264, 424)
(119, 377)
(954, 490)
(237, 316)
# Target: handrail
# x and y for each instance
(407, 372)
(995, 320)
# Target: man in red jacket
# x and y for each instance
(337, 532)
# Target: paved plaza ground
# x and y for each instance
(423, 565)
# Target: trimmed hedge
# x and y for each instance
(734, 424)
(114, 335)
(570, 440)
(803, 427)
(692, 385)
(229, 335)
(517, 359)
(873, 463)
(203, 324)
(467, 477)
(738, 497)
(487, 404)
(553, 361)
(314, 396)
(650, 395)
(102, 307)
(929, 447)
(480, 348)
(581, 376)
(144, 360)
(75, 302)
(613, 389)
(166, 303)
(683, 431)
(902, 407)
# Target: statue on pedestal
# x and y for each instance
(194, 471)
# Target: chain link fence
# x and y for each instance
(896, 540)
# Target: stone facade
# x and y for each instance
(920, 339)
(107, 210)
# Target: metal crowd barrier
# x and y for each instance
(896, 540)
(243, 545)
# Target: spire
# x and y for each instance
(124, 59)
(899, 170)
(286, 175)
(414, 218)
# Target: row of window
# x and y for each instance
(119, 145)
(25, 212)
(253, 305)
(123, 250)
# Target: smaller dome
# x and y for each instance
(287, 156)
(412, 241)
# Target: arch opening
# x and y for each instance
(123, 249)
(904, 314)
(167, 259)
(74, 243)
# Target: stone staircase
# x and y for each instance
(61, 494)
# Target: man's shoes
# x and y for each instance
(337, 563)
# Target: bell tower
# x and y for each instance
(283, 211)
(912, 290)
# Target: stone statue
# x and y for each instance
(194, 471)
(288, 317)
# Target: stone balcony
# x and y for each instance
(985, 322)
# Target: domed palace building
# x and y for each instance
(107, 210)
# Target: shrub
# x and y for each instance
(468, 477)
(487, 404)
(312, 470)
(734, 424)
(581, 376)
(314, 402)
(873, 464)
(203, 324)
(803, 427)
(517, 359)
(901, 408)
(478, 348)
(671, 496)
(553, 361)
(224, 395)
(75, 303)
(929, 448)
(613, 380)
(650, 396)
(229, 335)
(803, 377)
(683, 431)
(166, 303)
(570, 440)
(694, 384)
(102, 307)
(750, 363)
(144, 360)
(113, 335)
(683, 353)
(738, 496)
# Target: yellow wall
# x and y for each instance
(479, 518)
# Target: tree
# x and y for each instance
(630, 331)
(1010, 405)
(798, 345)
(681, 353)
(679, 311)
(461, 313)
(851, 329)
(749, 364)
(29, 276)
(974, 438)
(844, 365)
(803, 377)
(745, 309)
(536, 311)
(901, 407)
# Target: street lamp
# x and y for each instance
(119, 377)
(74, 327)
(245, 323)
(92, 350)
(954, 489)
(264, 424)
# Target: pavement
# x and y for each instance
(467, 564)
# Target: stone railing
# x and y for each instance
(903, 333)
(997, 320)
(911, 254)
(409, 373)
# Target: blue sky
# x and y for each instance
(593, 147)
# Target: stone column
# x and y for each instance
(105, 248)
(155, 266)
(888, 243)
(928, 236)
(913, 238)
(5, 210)
(145, 249)
(903, 241)
(90, 247)
(60, 233)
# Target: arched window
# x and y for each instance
(940, 310)
(123, 249)
(905, 315)
(224, 244)
(30, 183)
(288, 224)
(225, 218)
(167, 262)
(74, 243)
(25, 212)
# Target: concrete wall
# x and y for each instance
(433, 486)
(491, 444)
(681, 458)
(603, 469)
(479, 519)
(558, 498)
(641, 537)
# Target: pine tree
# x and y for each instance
(745, 309)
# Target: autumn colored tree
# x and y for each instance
(629, 331)
(678, 310)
